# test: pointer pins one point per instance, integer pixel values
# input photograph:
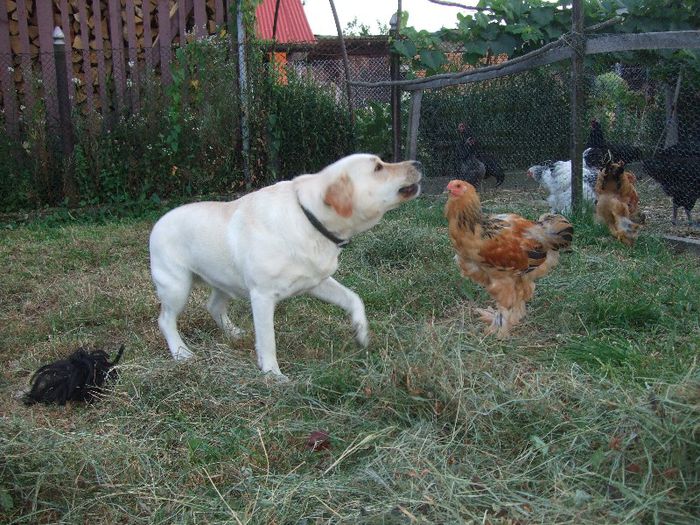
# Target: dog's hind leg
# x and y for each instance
(217, 306)
(173, 294)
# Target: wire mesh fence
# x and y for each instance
(505, 129)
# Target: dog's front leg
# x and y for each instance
(263, 305)
(333, 292)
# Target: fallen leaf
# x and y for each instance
(318, 440)
(615, 443)
(670, 473)
(634, 468)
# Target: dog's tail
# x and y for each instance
(119, 356)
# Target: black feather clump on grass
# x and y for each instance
(79, 377)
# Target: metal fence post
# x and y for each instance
(243, 89)
(65, 124)
(394, 72)
(578, 46)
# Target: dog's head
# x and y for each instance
(361, 188)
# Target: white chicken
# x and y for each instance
(555, 177)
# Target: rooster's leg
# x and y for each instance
(487, 315)
(690, 218)
(498, 321)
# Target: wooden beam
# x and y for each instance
(634, 42)
(414, 124)
(549, 54)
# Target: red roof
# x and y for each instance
(292, 25)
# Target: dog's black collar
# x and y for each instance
(340, 243)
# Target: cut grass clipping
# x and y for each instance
(589, 414)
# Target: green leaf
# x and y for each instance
(432, 59)
(541, 16)
(505, 44)
(405, 48)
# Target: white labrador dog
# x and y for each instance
(274, 243)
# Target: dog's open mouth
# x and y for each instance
(409, 191)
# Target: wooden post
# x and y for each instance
(44, 18)
(116, 36)
(346, 62)
(64, 115)
(243, 90)
(578, 46)
(394, 63)
(164, 40)
(414, 124)
(6, 78)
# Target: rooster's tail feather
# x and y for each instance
(557, 232)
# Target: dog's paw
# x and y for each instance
(182, 354)
(231, 330)
(276, 377)
(361, 334)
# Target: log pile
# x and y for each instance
(89, 34)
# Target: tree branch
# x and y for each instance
(611, 22)
(461, 6)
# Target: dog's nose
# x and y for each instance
(417, 165)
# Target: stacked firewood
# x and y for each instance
(88, 37)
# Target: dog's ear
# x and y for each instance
(339, 196)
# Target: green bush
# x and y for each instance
(184, 138)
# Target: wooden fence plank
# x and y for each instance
(147, 36)
(99, 51)
(182, 20)
(164, 40)
(133, 69)
(87, 67)
(117, 44)
(7, 83)
(219, 13)
(200, 19)
(26, 58)
(67, 31)
(44, 16)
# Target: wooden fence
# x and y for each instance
(108, 44)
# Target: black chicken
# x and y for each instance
(677, 170)
(470, 150)
(618, 152)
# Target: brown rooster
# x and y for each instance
(618, 202)
(503, 253)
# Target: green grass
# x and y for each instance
(588, 414)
